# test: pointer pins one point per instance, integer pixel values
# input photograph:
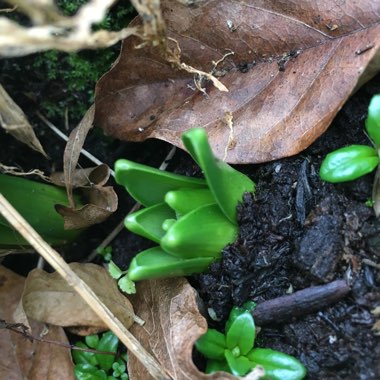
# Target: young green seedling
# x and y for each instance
(35, 201)
(233, 351)
(96, 366)
(191, 219)
(354, 161)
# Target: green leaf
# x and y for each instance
(89, 372)
(239, 366)
(227, 184)
(156, 263)
(349, 163)
(127, 285)
(148, 221)
(203, 232)
(84, 357)
(92, 341)
(241, 333)
(236, 311)
(278, 366)
(147, 185)
(186, 200)
(372, 122)
(35, 202)
(119, 368)
(217, 365)
(114, 270)
(212, 344)
(108, 342)
(168, 223)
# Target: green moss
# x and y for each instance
(60, 81)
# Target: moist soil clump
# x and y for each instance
(296, 232)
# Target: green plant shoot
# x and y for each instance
(233, 351)
(354, 161)
(97, 366)
(190, 219)
(35, 202)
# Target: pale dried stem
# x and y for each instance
(52, 30)
(13, 170)
(60, 134)
(56, 261)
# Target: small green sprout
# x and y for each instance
(105, 252)
(190, 219)
(354, 161)
(96, 366)
(35, 202)
(233, 351)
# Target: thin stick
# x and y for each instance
(65, 138)
(20, 328)
(56, 261)
(300, 303)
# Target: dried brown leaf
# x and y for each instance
(48, 298)
(294, 65)
(102, 201)
(172, 325)
(21, 358)
(98, 175)
(14, 121)
(72, 151)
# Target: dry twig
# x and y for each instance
(56, 261)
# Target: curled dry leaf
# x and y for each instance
(48, 298)
(172, 325)
(14, 121)
(21, 358)
(72, 151)
(102, 201)
(294, 65)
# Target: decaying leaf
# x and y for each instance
(72, 151)
(14, 121)
(294, 65)
(102, 201)
(21, 358)
(48, 298)
(172, 325)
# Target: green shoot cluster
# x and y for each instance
(96, 366)
(234, 351)
(190, 219)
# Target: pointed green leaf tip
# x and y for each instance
(156, 263)
(148, 222)
(372, 122)
(277, 365)
(227, 184)
(149, 186)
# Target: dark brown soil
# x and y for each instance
(296, 232)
